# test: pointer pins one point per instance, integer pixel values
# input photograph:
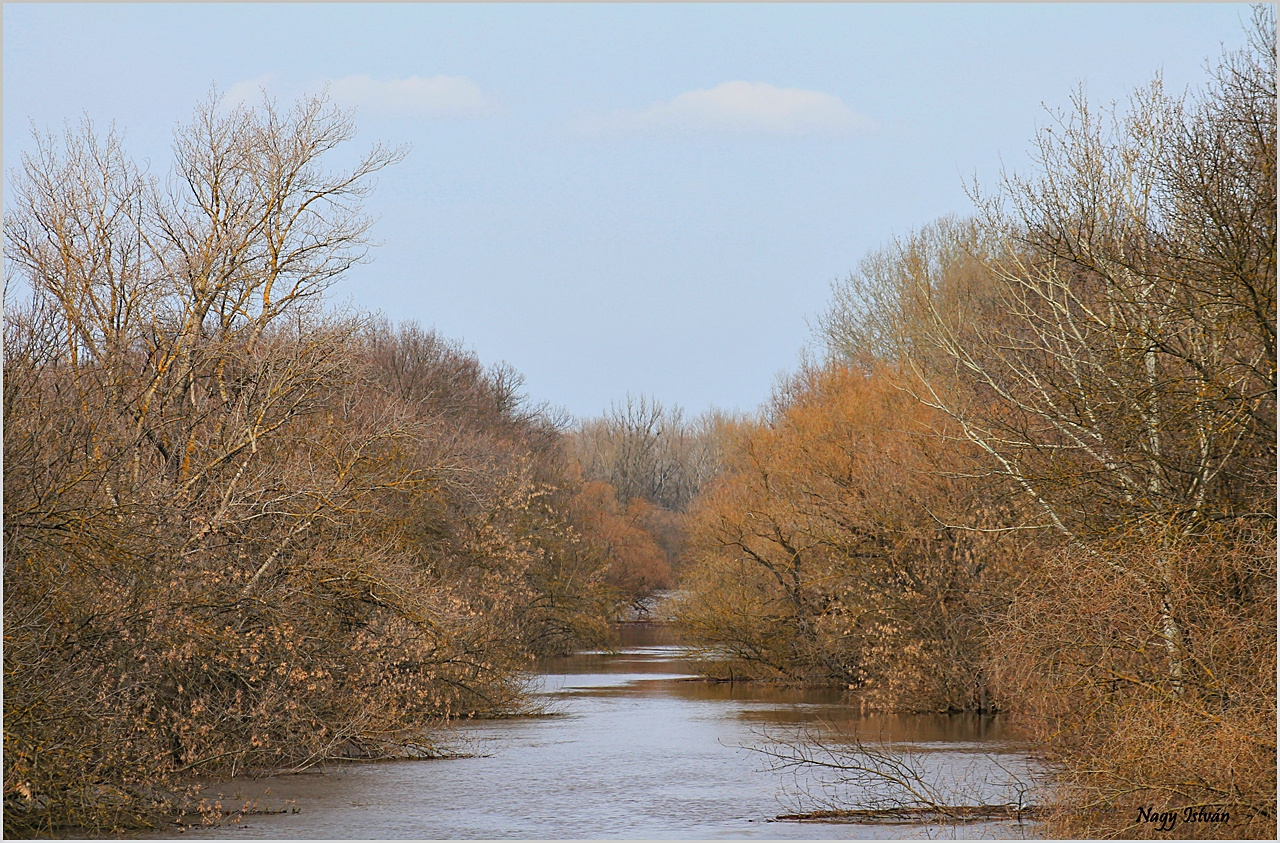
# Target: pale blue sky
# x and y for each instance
(622, 198)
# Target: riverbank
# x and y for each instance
(634, 751)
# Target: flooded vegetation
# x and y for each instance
(634, 745)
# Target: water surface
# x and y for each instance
(635, 747)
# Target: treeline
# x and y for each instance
(242, 532)
(644, 465)
(1037, 471)
(826, 552)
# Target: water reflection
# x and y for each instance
(638, 749)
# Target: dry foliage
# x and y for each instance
(644, 464)
(1103, 335)
(1043, 458)
(242, 534)
(1083, 652)
(824, 551)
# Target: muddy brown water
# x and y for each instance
(634, 747)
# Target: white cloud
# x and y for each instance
(248, 92)
(438, 96)
(415, 96)
(739, 108)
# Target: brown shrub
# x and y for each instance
(830, 549)
(1084, 652)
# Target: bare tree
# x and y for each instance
(1103, 334)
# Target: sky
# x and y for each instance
(621, 199)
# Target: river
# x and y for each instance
(633, 747)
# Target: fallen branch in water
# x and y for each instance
(843, 778)
(943, 813)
